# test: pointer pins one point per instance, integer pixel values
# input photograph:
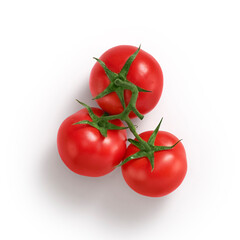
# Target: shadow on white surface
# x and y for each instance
(107, 197)
(82, 93)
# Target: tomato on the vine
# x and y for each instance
(144, 72)
(83, 148)
(126, 82)
(170, 167)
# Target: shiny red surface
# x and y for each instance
(170, 167)
(85, 151)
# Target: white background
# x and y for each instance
(46, 50)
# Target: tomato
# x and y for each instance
(145, 72)
(84, 150)
(170, 167)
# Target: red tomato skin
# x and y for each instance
(145, 72)
(169, 170)
(85, 151)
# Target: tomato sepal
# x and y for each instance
(119, 83)
(100, 123)
(147, 148)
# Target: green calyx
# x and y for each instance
(147, 149)
(99, 123)
(119, 83)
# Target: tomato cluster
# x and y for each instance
(126, 82)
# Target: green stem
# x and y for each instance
(112, 117)
(133, 129)
(124, 115)
(132, 104)
(134, 132)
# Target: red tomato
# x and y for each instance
(170, 167)
(84, 150)
(145, 72)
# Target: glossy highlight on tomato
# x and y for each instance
(84, 150)
(170, 167)
(145, 72)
